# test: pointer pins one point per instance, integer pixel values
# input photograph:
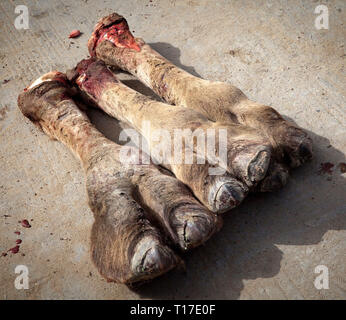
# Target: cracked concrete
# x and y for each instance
(270, 245)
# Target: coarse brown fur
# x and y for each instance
(248, 153)
(218, 101)
(128, 244)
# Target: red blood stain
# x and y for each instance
(93, 77)
(14, 249)
(74, 34)
(342, 166)
(119, 34)
(25, 223)
(17, 232)
(326, 167)
(4, 254)
(18, 241)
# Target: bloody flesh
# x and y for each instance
(119, 34)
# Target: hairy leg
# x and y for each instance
(248, 153)
(128, 244)
(217, 100)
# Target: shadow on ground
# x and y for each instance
(247, 246)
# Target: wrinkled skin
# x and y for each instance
(140, 213)
(218, 101)
(248, 154)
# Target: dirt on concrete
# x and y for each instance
(269, 247)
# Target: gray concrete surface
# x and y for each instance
(270, 245)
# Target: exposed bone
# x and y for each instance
(127, 243)
(216, 100)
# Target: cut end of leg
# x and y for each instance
(113, 28)
(50, 76)
(92, 77)
(29, 101)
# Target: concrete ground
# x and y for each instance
(270, 245)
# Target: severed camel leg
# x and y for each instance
(113, 43)
(248, 154)
(128, 244)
